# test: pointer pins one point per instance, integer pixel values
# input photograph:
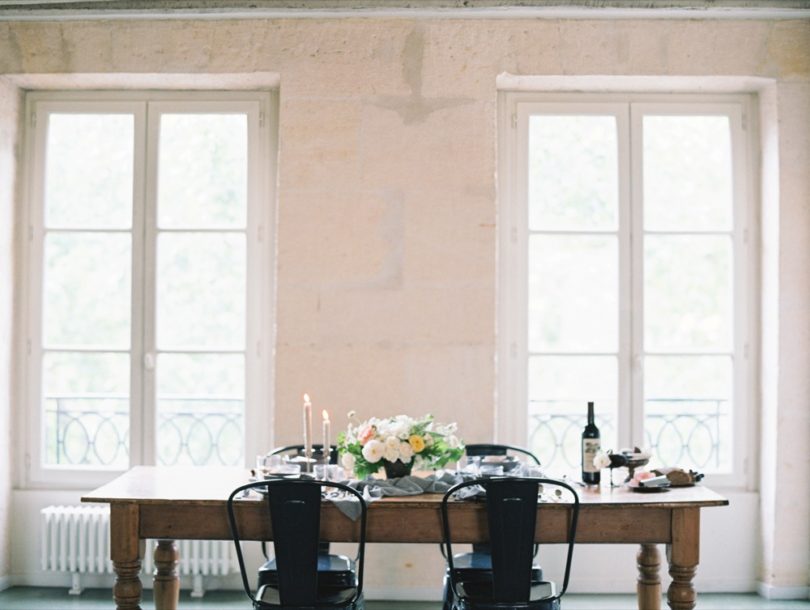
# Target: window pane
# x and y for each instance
(201, 291)
(573, 173)
(560, 388)
(687, 292)
(688, 411)
(86, 403)
(87, 289)
(687, 173)
(202, 175)
(200, 408)
(573, 293)
(88, 171)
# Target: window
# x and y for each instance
(625, 278)
(145, 258)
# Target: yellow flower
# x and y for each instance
(417, 443)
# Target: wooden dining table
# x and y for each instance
(179, 503)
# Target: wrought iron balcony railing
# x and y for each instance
(691, 433)
(87, 430)
(93, 430)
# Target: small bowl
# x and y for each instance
(635, 460)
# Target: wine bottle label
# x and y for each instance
(589, 448)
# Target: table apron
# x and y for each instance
(597, 524)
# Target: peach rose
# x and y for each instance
(367, 434)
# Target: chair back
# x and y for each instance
(511, 516)
(298, 450)
(484, 449)
(295, 516)
(512, 513)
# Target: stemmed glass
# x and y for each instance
(617, 460)
(473, 465)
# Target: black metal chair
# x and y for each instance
(337, 570)
(478, 562)
(295, 513)
(512, 509)
(486, 449)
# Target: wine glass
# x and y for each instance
(617, 460)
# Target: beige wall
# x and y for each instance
(386, 270)
(786, 331)
(9, 111)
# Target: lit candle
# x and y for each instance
(327, 449)
(307, 431)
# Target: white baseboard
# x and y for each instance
(415, 594)
(5, 582)
(776, 592)
(62, 580)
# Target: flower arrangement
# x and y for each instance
(367, 446)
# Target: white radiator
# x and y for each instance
(76, 539)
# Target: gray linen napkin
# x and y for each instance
(374, 489)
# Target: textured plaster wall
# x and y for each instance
(386, 268)
(9, 110)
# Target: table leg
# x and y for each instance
(648, 587)
(683, 555)
(125, 553)
(166, 582)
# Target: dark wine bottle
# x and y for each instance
(590, 445)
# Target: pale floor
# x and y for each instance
(31, 598)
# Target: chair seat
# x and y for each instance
(333, 571)
(481, 562)
(329, 598)
(473, 566)
(478, 595)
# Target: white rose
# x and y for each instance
(601, 460)
(397, 429)
(428, 439)
(373, 451)
(392, 442)
(405, 451)
(391, 453)
(452, 441)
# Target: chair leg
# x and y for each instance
(448, 595)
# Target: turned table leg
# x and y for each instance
(125, 553)
(166, 582)
(683, 555)
(648, 587)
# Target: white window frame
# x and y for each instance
(261, 110)
(512, 303)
